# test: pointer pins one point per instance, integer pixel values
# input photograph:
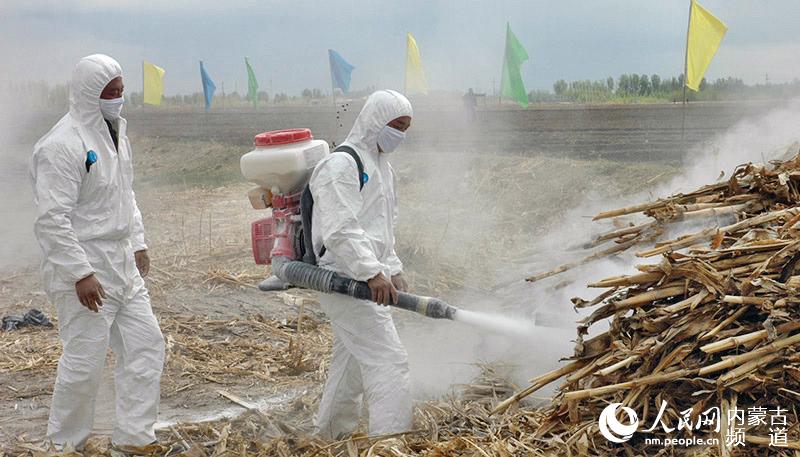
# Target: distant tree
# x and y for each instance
(655, 83)
(307, 93)
(730, 84)
(623, 87)
(58, 96)
(135, 99)
(668, 88)
(644, 85)
(540, 96)
(634, 89)
(263, 96)
(603, 84)
(560, 87)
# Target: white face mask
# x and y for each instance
(389, 138)
(111, 109)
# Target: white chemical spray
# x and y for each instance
(460, 347)
(501, 325)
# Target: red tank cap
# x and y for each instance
(288, 136)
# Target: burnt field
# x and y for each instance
(631, 132)
(618, 132)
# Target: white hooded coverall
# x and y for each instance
(357, 230)
(88, 222)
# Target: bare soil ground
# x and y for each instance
(472, 196)
(221, 332)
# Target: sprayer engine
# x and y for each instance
(280, 234)
(281, 165)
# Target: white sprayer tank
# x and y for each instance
(283, 160)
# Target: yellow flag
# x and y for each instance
(415, 77)
(153, 83)
(705, 35)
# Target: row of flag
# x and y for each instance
(703, 38)
(153, 76)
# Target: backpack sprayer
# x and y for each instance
(281, 165)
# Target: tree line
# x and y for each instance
(628, 87)
(642, 87)
(41, 95)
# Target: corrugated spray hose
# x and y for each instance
(322, 280)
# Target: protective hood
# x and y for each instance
(381, 108)
(83, 188)
(89, 78)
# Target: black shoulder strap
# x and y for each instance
(306, 209)
(359, 163)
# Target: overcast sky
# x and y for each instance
(461, 42)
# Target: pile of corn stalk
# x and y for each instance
(705, 343)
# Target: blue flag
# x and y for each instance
(340, 71)
(208, 86)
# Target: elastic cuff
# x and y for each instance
(83, 276)
(371, 273)
(141, 246)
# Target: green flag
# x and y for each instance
(511, 84)
(252, 84)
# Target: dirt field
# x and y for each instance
(474, 196)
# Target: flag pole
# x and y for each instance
(333, 83)
(333, 91)
(142, 83)
(505, 56)
(405, 70)
(333, 97)
(686, 71)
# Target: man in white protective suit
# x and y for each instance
(94, 257)
(357, 230)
